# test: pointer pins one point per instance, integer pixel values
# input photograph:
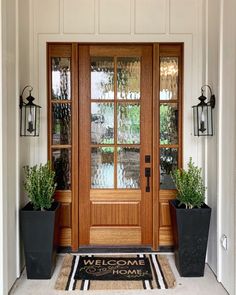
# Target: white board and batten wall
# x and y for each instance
(119, 21)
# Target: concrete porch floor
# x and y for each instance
(185, 286)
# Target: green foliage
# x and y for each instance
(190, 186)
(39, 185)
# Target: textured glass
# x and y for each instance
(61, 123)
(128, 167)
(61, 161)
(102, 123)
(102, 167)
(128, 77)
(128, 121)
(168, 78)
(61, 78)
(168, 163)
(102, 78)
(168, 124)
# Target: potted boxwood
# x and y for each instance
(38, 222)
(190, 218)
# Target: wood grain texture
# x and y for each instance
(114, 50)
(155, 144)
(165, 236)
(115, 236)
(65, 215)
(75, 151)
(165, 214)
(59, 49)
(63, 196)
(65, 237)
(103, 213)
(84, 140)
(112, 195)
(167, 194)
(146, 144)
(90, 214)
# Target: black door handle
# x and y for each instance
(148, 175)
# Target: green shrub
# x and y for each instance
(190, 186)
(39, 185)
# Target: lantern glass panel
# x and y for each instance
(203, 125)
(195, 120)
(30, 115)
(210, 121)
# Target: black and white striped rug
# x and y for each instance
(162, 275)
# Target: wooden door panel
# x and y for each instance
(116, 213)
(117, 236)
(115, 216)
(112, 195)
(165, 236)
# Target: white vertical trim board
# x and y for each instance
(3, 167)
(1, 164)
(219, 144)
(17, 164)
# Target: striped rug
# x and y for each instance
(162, 274)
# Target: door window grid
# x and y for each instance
(169, 103)
(61, 117)
(118, 140)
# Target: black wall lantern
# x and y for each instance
(29, 115)
(202, 114)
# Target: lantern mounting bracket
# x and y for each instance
(212, 100)
(29, 98)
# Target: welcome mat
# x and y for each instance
(160, 277)
(113, 268)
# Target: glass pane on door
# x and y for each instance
(128, 120)
(102, 167)
(102, 123)
(128, 77)
(102, 78)
(168, 78)
(168, 163)
(115, 124)
(169, 123)
(61, 78)
(128, 167)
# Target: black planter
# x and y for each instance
(39, 234)
(190, 232)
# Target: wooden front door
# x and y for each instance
(115, 143)
(114, 112)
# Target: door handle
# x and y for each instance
(148, 175)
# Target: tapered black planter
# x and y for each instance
(39, 234)
(190, 230)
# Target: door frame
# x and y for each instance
(141, 201)
(71, 237)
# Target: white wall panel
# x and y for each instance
(212, 68)
(183, 16)
(150, 16)
(227, 144)
(79, 16)
(114, 17)
(47, 13)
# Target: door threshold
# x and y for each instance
(114, 249)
